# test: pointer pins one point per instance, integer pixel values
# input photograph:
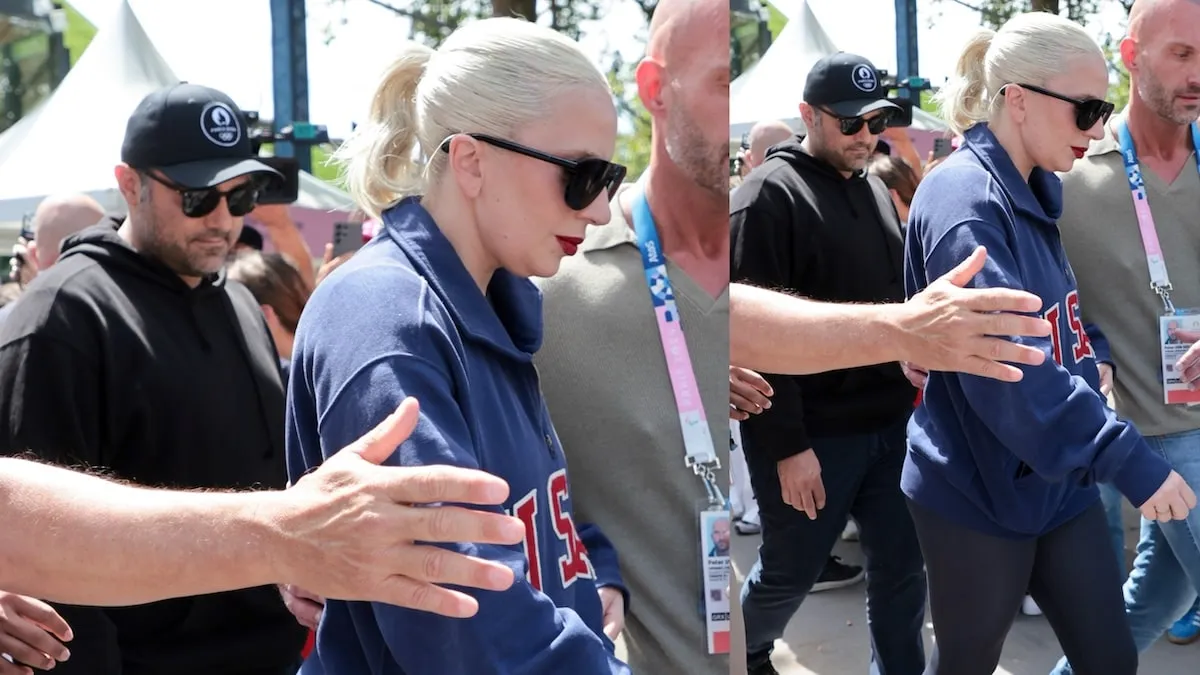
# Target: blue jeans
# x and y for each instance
(861, 475)
(1113, 500)
(1166, 571)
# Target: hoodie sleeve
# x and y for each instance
(516, 631)
(1052, 420)
(50, 401)
(1099, 343)
(50, 406)
(603, 555)
(767, 249)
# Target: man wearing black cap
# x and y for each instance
(134, 354)
(810, 220)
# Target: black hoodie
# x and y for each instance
(799, 225)
(109, 359)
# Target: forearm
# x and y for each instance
(776, 333)
(79, 539)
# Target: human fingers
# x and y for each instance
(23, 650)
(962, 274)
(305, 594)
(818, 491)
(433, 484)
(439, 566)
(455, 523)
(44, 616)
(307, 613)
(379, 443)
(746, 405)
(1008, 301)
(751, 378)
(974, 365)
(808, 503)
(424, 596)
(7, 668)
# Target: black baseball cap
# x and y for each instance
(847, 85)
(193, 135)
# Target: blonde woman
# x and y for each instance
(1001, 478)
(517, 128)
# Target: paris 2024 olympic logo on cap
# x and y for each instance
(864, 78)
(220, 125)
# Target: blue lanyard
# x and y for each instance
(1160, 283)
(699, 450)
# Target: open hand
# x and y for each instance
(351, 527)
(948, 327)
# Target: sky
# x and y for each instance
(868, 28)
(227, 44)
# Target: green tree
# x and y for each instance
(434, 20)
(633, 149)
(994, 13)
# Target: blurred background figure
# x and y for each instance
(56, 218)
(900, 179)
(279, 288)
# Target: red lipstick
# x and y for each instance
(569, 244)
(1079, 152)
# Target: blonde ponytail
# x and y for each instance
(377, 159)
(492, 76)
(964, 100)
(1030, 48)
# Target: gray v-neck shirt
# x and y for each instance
(1100, 233)
(605, 381)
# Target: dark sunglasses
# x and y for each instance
(199, 202)
(585, 178)
(1087, 111)
(853, 125)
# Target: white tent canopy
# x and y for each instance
(73, 140)
(774, 87)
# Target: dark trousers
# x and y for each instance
(977, 581)
(861, 475)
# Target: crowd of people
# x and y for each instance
(989, 497)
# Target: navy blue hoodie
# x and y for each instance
(404, 318)
(1014, 459)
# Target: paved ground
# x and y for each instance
(828, 635)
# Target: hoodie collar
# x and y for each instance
(1039, 198)
(508, 318)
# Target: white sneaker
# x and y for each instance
(851, 531)
(1029, 607)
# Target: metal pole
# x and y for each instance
(290, 59)
(907, 62)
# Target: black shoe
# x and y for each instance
(764, 669)
(837, 575)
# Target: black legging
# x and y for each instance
(977, 582)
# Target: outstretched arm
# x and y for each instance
(945, 327)
(344, 531)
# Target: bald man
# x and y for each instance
(762, 136)
(55, 219)
(615, 410)
(1100, 231)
